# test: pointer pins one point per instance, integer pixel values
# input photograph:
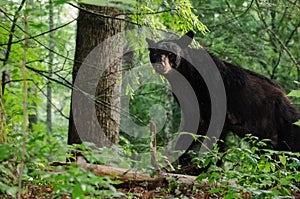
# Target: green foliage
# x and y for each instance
(297, 123)
(70, 180)
(79, 183)
(37, 58)
(259, 35)
(40, 150)
(294, 93)
(177, 16)
(251, 170)
(7, 169)
(103, 156)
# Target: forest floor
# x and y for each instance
(137, 192)
(134, 192)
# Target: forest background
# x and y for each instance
(37, 57)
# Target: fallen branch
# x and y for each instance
(125, 175)
(184, 183)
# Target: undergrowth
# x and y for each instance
(247, 170)
(250, 171)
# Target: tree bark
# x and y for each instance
(32, 109)
(2, 120)
(49, 86)
(160, 180)
(93, 29)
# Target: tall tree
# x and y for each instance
(51, 54)
(95, 24)
(2, 109)
(2, 119)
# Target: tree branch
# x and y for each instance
(273, 34)
(294, 3)
(292, 33)
(103, 15)
(10, 38)
(236, 17)
(34, 38)
(43, 73)
(53, 105)
(41, 34)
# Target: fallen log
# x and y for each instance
(129, 176)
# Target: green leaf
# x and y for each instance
(282, 159)
(10, 190)
(272, 166)
(203, 176)
(5, 151)
(78, 191)
(297, 123)
(232, 195)
(294, 93)
(297, 177)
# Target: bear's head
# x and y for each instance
(166, 55)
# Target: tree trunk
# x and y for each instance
(92, 29)
(2, 120)
(49, 86)
(32, 109)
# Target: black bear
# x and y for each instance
(255, 104)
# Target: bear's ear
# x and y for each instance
(150, 42)
(186, 39)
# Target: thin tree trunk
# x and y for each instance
(24, 133)
(2, 120)
(49, 86)
(32, 115)
(91, 31)
(3, 136)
